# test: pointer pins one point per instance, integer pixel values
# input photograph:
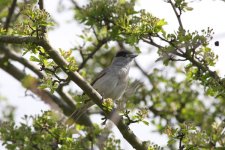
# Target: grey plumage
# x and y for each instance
(111, 82)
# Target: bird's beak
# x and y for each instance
(133, 55)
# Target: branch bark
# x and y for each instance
(78, 79)
(11, 11)
(41, 4)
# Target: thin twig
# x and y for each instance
(129, 120)
(151, 42)
(97, 48)
(141, 69)
(176, 48)
(177, 15)
(75, 4)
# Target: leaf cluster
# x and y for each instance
(45, 132)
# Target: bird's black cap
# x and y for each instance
(125, 53)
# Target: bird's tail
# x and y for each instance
(79, 112)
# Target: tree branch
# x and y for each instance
(20, 76)
(22, 60)
(213, 74)
(98, 46)
(177, 15)
(41, 4)
(46, 96)
(142, 71)
(151, 42)
(140, 68)
(10, 13)
(41, 7)
(78, 79)
(75, 4)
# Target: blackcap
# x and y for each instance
(111, 82)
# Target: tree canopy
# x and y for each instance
(187, 105)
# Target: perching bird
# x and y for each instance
(110, 82)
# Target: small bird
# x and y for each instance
(111, 82)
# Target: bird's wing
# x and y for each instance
(99, 75)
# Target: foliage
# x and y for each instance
(45, 132)
(195, 138)
(185, 101)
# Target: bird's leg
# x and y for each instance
(104, 120)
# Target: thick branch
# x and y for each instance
(89, 90)
(41, 4)
(74, 76)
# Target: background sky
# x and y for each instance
(206, 13)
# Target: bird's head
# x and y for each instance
(123, 57)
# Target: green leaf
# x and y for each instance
(161, 22)
(33, 58)
(171, 141)
(188, 8)
(145, 122)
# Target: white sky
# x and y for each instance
(207, 13)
